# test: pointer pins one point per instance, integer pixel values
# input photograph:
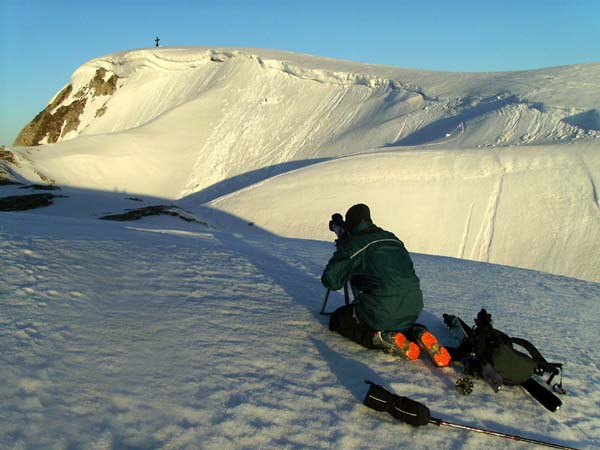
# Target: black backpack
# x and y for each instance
(491, 354)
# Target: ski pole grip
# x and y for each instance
(401, 408)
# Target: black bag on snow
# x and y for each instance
(485, 345)
(401, 408)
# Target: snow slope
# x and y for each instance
(162, 334)
(534, 207)
(200, 123)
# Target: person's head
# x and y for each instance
(356, 215)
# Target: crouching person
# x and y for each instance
(389, 298)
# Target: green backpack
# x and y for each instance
(486, 346)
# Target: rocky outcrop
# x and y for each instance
(5, 179)
(43, 124)
(7, 156)
(156, 210)
(42, 187)
(100, 111)
(60, 117)
(100, 86)
(25, 202)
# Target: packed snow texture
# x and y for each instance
(200, 123)
(163, 334)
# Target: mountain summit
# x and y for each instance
(126, 90)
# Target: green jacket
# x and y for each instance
(376, 262)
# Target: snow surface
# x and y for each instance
(166, 334)
(163, 334)
(201, 123)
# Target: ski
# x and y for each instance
(544, 396)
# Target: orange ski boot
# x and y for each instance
(396, 342)
(428, 342)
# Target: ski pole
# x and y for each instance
(440, 422)
(417, 414)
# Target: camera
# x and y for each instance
(336, 224)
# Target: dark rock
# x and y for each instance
(25, 202)
(137, 214)
(8, 182)
(7, 156)
(42, 187)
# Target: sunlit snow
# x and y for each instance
(162, 333)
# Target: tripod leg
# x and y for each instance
(353, 291)
(325, 303)
(346, 294)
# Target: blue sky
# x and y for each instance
(43, 41)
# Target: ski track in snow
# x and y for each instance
(465, 236)
(486, 233)
(590, 177)
(118, 338)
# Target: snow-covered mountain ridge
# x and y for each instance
(198, 123)
(174, 77)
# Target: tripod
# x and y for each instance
(336, 224)
(346, 297)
